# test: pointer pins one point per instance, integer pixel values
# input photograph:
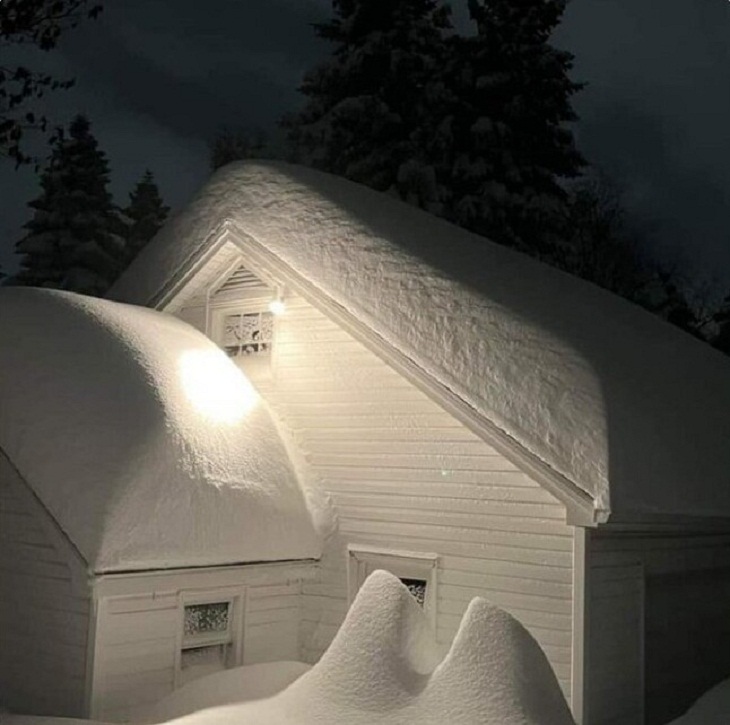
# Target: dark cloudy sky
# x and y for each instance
(157, 77)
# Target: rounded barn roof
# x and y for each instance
(632, 412)
(146, 444)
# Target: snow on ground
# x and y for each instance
(385, 668)
(713, 708)
(249, 682)
(596, 388)
(145, 442)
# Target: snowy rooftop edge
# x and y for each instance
(106, 413)
(598, 389)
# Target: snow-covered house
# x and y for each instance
(484, 424)
(152, 524)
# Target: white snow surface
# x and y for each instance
(145, 443)
(628, 409)
(248, 682)
(384, 667)
(713, 708)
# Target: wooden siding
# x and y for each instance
(139, 637)
(669, 632)
(405, 474)
(44, 608)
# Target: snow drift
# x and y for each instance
(144, 442)
(620, 409)
(239, 684)
(383, 667)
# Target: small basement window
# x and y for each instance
(416, 570)
(210, 638)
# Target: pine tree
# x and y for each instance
(235, 144)
(365, 107)
(509, 145)
(144, 215)
(600, 244)
(71, 242)
(722, 319)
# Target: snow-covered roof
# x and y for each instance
(146, 444)
(624, 410)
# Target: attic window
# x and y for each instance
(248, 333)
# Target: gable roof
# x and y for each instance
(109, 414)
(624, 413)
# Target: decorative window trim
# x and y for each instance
(258, 365)
(258, 344)
(233, 635)
(362, 560)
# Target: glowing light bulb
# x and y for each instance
(277, 307)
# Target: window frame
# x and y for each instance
(233, 636)
(362, 560)
(256, 365)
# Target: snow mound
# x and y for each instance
(383, 667)
(624, 412)
(249, 682)
(144, 442)
(713, 708)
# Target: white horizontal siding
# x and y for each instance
(615, 642)
(272, 623)
(134, 661)
(405, 474)
(195, 316)
(659, 651)
(44, 608)
(138, 635)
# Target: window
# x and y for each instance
(210, 636)
(416, 570)
(247, 333)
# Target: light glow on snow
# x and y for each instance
(215, 386)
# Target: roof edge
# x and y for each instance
(50, 521)
(581, 506)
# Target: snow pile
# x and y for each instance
(382, 667)
(146, 444)
(628, 412)
(249, 682)
(713, 708)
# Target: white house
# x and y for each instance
(486, 425)
(152, 525)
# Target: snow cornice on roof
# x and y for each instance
(146, 445)
(610, 408)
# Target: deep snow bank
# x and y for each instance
(248, 682)
(145, 443)
(382, 668)
(713, 708)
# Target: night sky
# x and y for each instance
(158, 77)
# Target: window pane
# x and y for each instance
(417, 587)
(204, 618)
(201, 661)
(247, 334)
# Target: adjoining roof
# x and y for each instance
(145, 443)
(630, 411)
